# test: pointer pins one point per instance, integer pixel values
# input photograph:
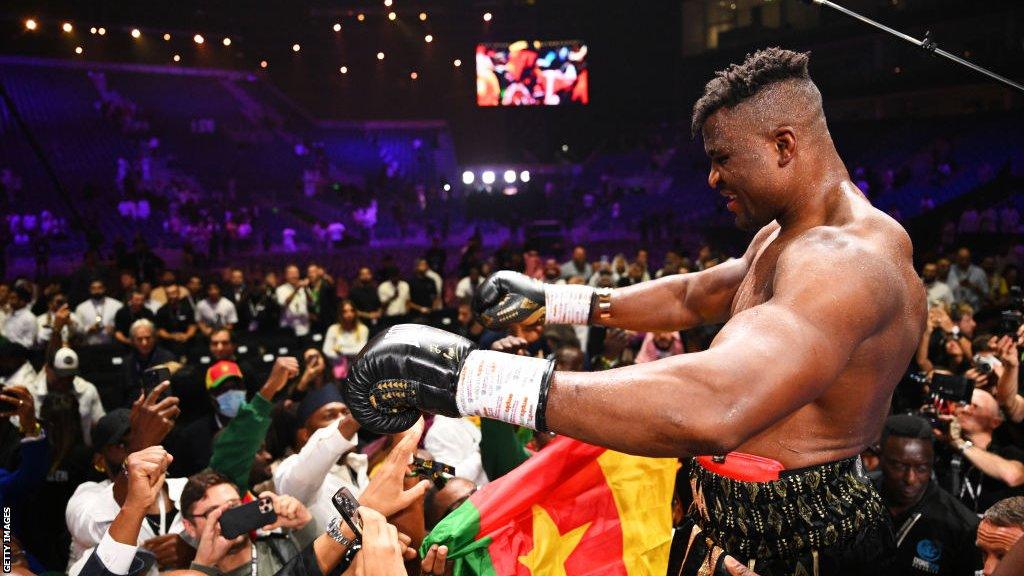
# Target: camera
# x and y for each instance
(986, 364)
(1009, 322)
(951, 388)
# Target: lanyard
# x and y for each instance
(255, 557)
(163, 516)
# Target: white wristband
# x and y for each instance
(567, 303)
(501, 386)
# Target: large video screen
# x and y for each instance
(536, 73)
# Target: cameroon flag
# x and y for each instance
(573, 509)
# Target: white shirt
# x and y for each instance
(89, 406)
(44, 327)
(437, 281)
(87, 313)
(115, 556)
(399, 305)
(153, 305)
(340, 343)
(216, 315)
(21, 327)
(969, 294)
(23, 376)
(91, 510)
(296, 314)
(456, 441)
(939, 293)
(464, 290)
(313, 475)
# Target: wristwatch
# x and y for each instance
(334, 531)
(604, 303)
(351, 546)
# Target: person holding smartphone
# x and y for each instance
(215, 510)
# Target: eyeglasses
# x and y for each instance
(233, 503)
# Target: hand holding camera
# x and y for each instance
(291, 514)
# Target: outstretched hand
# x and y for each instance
(386, 493)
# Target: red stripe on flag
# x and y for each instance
(565, 480)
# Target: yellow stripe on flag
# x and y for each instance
(642, 488)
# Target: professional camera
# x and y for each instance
(986, 364)
(947, 392)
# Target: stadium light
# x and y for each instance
(226, 41)
(388, 3)
(177, 58)
(447, 187)
(414, 75)
(457, 63)
(487, 16)
(428, 38)
(136, 33)
(67, 27)
(423, 16)
(167, 37)
(468, 177)
(510, 176)
(392, 16)
(487, 177)
(198, 39)
(92, 30)
(263, 64)
(78, 50)
(337, 27)
(101, 31)
(380, 55)
(343, 69)
(31, 24)
(296, 47)
(524, 176)
(361, 17)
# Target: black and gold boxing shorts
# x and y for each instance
(824, 520)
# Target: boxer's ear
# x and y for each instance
(785, 144)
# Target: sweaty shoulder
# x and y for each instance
(853, 268)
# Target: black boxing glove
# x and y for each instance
(508, 298)
(410, 368)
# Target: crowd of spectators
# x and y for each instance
(109, 468)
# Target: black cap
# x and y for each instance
(316, 399)
(111, 428)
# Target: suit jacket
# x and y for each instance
(144, 560)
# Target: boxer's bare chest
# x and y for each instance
(757, 286)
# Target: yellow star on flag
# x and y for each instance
(550, 548)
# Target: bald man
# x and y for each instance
(822, 315)
(996, 470)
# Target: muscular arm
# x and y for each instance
(766, 363)
(682, 301)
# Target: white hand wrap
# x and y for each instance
(501, 386)
(567, 303)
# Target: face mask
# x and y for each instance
(229, 402)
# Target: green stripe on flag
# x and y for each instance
(458, 531)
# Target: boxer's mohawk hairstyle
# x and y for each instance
(741, 81)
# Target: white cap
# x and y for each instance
(65, 362)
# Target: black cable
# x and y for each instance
(928, 44)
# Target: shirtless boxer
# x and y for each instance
(822, 315)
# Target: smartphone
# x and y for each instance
(247, 517)
(348, 506)
(152, 377)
